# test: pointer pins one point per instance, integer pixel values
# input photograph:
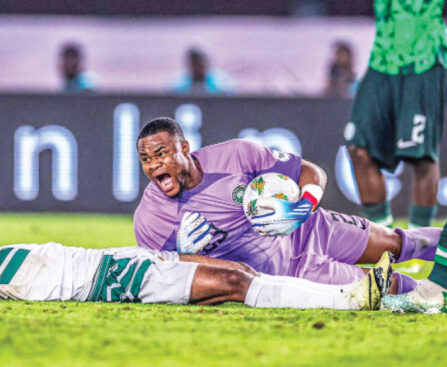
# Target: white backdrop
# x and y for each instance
(264, 55)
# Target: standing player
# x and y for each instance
(321, 246)
(399, 107)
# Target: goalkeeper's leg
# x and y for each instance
(333, 238)
(418, 243)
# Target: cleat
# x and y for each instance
(374, 285)
(427, 298)
(382, 273)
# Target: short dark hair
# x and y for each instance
(71, 50)
(158, 124)
(195, 53)
(343, 46)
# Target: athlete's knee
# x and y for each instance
(425, 168)
(235, 278)
(359, 156)
(236, 281)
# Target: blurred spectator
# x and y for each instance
(200, 78)
(341, 78)
(72, 70)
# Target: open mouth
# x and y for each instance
(165, 181)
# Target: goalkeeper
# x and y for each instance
(52, 272)
(318, 245)
(398, 110)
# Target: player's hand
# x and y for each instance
(194, 233)
(284, 218)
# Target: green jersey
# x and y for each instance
(410, 37)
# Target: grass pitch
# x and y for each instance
(95, 334)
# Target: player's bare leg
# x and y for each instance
(370, 180)
(371, 185)
(404, 245)
(424, 193)
(212, 285)
(381, 239)
(426, 178)
(418, 243)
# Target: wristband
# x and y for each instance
(313, 193)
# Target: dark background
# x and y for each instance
(318, 123)
(194, 8)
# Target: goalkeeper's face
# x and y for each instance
(166, 161)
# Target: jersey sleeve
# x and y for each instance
(260, 159)
(154, 224)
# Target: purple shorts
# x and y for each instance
(327, 246)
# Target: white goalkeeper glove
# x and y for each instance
(194, 233)
(286, 216)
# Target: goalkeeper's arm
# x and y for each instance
(287, 216)
(312, 182)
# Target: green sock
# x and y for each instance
(422, 216)
(439, 272)
(379, 213)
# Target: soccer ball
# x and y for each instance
(268, 185)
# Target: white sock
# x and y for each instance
(299, 293)
(303, 282)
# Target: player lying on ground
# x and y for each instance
(53, 272)
(430, 296)
(319, 245)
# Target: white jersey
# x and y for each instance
(53, 272)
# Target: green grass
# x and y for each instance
(86, 230)
(75, 334)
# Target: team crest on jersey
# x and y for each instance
(280, 156)
(238, 194)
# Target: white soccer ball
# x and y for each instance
(268, 185)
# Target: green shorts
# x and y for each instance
(398, 117)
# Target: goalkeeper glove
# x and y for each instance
(194, 233)
(286, 216)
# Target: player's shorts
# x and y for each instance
(327, 246)
(52, 272)
(140, 275)
(46, 272)
(398, 117)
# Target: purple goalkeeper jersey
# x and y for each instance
(324, 248)
(227, 169)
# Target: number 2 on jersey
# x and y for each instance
(417, 134)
